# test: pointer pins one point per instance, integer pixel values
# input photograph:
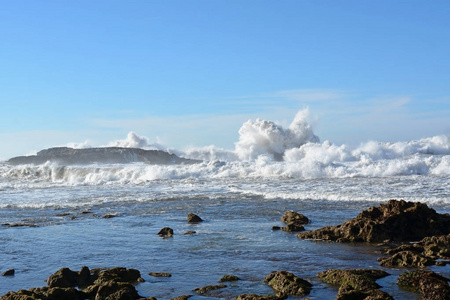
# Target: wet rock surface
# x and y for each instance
(166, 232)
(285, 283)
(356, 284)
(99, 284)
(205, 289)
(428, 284)
(9, 272)
(193, 218)
(258, 297)
(434, 250)
(397, 220)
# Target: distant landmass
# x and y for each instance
(102, 155)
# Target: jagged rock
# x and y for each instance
(160, 274)
(108, 155)
(428, 284)
(63, 278)
(116, 290)
(356, 284)
(166, 232)
(397, 220)
(193, 218)
(229, 278)
(421, 254)
(64, 293)
(208, 288)
(285, 283)
(9, 272)
(259, 297)
(119, 274)
(294, 217)
(406, 259)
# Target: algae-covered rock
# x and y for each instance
(294, 217)
(356, 284)
(259, 297)
(397, 220)
(285, 283)
(166, 232)
(229, 278)
(428, 284)
(420, 254)
(205, 289)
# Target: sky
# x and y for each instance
(190, 73)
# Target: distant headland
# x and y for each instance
(101, 155)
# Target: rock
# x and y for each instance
(356, 284)
(119, 274)
(184, 297)
(64, 293)
(292, 227)
(159, 274)
(428, 284)
(116, 290)
(276, 228)
(9, 272)
(397, 220)
(108, 155)
(193, 218)
(166, 232)
(190, 232)
(285, 283)
(84, 277)
(421, 254)
(294, 217)
(229, 278)
(63, 278)
(109, 216)
(406, 259)
(205, 289)
(258, 297)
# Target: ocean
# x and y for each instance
(108, 215)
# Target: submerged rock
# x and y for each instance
(205, 289)
(285, 283)
(193, 218)
(397, 220)
(229, 278)
(356, 284)
(428, 284)
(160, 274)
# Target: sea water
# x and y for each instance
(109, 215)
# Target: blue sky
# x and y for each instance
(189, 73)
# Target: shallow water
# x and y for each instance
(235, 238)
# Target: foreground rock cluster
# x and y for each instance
(396, 221)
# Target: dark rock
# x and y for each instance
(184, 297)
(428, 284)
(117, 291)
(119, 274)
(292, 227)
(285, 283)
(9, 272)
(397, 220)
(84, 277)
(190, 232)
(20, 225)
(420, 254)
(193, 218)
(109, 216)
(406, 259)
(229, 278)
(63, 278)
(259, 297)
(294, 217)
(58, 293)
(276, 228)
(205, 289)
(108, 155)
(166, 232)
(160, 274)
(356, 284)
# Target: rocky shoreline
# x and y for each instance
(413, 236)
